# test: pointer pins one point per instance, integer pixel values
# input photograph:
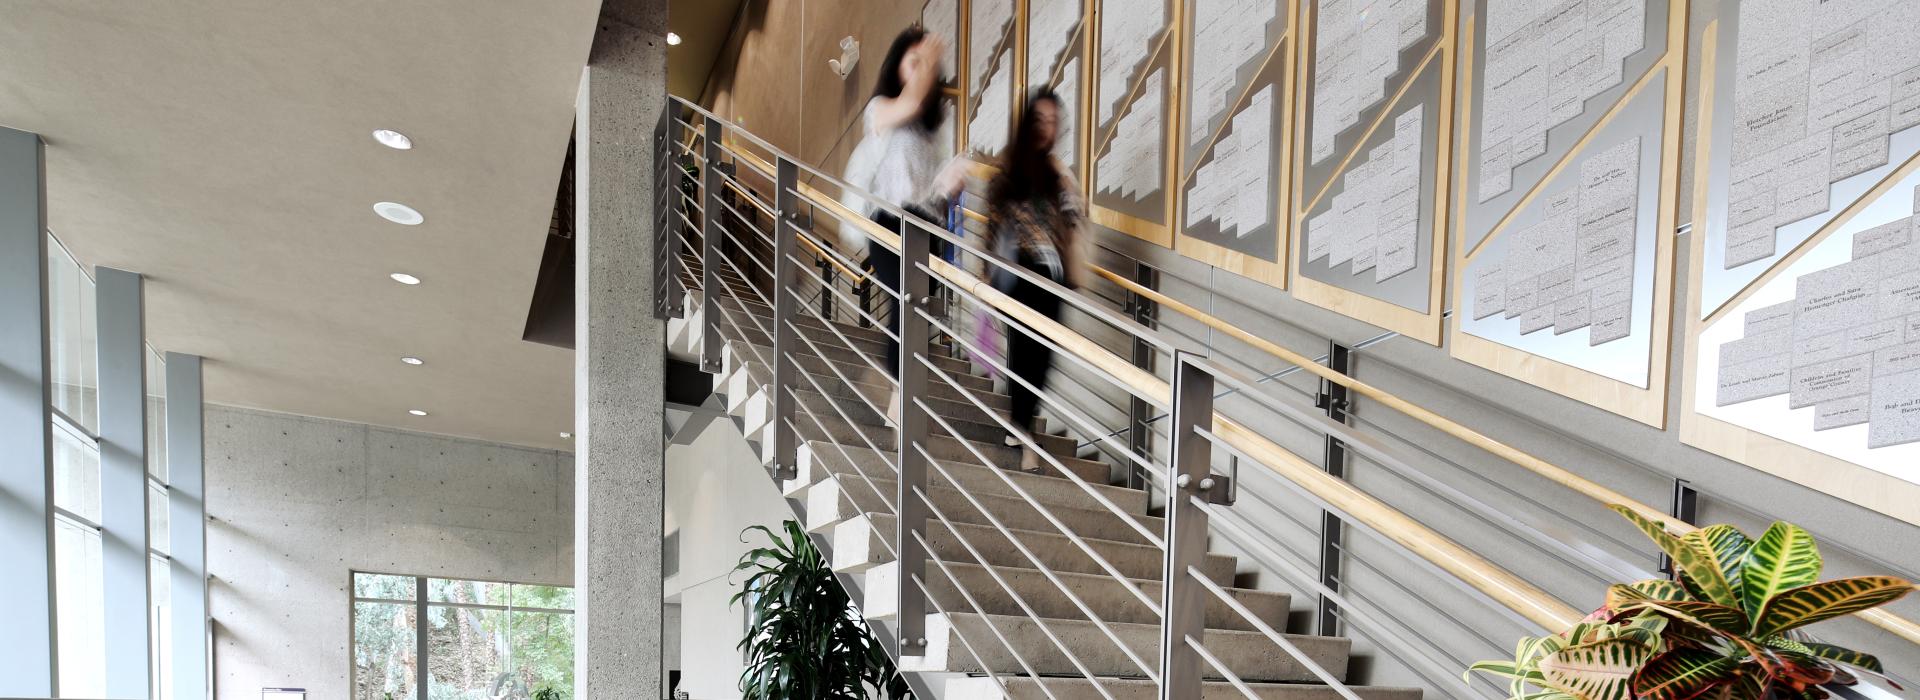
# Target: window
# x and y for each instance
(77, 546)
(159, 533)
(483, 639)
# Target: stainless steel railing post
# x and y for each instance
(786, 337)
(663, 239)
(1183, 600)
(1335, 400)
(710, 342)
(911, 525)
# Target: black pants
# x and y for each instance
(886, 273)
(1027, 358)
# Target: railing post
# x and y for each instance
(827, 277)
(1140, 413)
(664, 224)
(915, 341)
(786, 339)
(1335, 400)
(865, 290)
(1686, 507)
(710, 342)
(1189, 467)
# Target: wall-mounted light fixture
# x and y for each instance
(849, 55)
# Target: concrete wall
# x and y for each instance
(296, 503)
(715, 489)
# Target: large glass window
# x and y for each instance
(77, 546)
(484, 639)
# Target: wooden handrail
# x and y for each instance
(1498, 584)
(1901, 627)
(813, 249)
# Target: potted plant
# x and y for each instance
(1731, 628)
(804, 639)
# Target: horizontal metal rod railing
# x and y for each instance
(1905, 629)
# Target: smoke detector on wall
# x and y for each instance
(849, 55)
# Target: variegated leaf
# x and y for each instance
(1783, 558)
(1845, 656)
(1825, 600)
(1597, 671)
(1621, 594)
(1713, 617)
(1702, 564)
(1729, 547)
(1682, 673)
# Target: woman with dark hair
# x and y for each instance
(899, 161)
(1036, 219)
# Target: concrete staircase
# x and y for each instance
(1003, 561)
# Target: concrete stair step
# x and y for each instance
(860, 543)
(939, 445)
(864, 378)
(752, 305)
(1024, 688)
(866, 408)
(1107, 597)
(819, 460)
(866, 414)
(853, 367)
(842, 497)
(1250, 655)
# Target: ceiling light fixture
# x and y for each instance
(393, 139)
(564, 436)
(416, 412)
(405, 278)
(399, 213)
(673, 39)
(413, 360)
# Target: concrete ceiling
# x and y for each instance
(222, 148)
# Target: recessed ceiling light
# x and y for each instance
(416, 412)
(393, 139)
(565, 435)
(413, 360)
(398, 213)
(404, 278)
(673, 39)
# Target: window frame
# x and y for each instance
(422, 604)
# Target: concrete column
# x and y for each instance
(187, 532)
(26, 438)
(123, 479)
(619, 370)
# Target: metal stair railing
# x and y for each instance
(1182, 649)
(1193, 491)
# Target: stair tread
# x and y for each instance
(854, 551)
(979, 478)
(1107, 598)
(859, 492)
(1250, 655)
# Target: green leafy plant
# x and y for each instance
(1730, 627)
(546, 693)
(804, 638)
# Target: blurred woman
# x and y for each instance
(1036, 219)
(898, 161)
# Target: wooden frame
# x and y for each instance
(1424, 325)
(1284, 52)
(1646, 405)
(1012, 43)
(1166, 58)
(1855, 483)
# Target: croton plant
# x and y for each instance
(1730, 628)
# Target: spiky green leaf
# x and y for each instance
(1729, 546)
(1598, 671)
(1784, 557)
(1715, 618)
(1806, 605)
(1682, 673)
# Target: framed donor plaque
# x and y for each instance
(1055, 50)
(1803, 309)
(1370, 190)
(1134, 76)
(1234, 137)
(1568, 196)
(992, 75)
